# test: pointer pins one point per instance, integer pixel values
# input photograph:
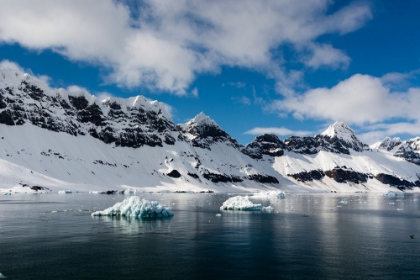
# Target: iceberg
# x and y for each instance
(2, 276)
(394, 194)
(136, 207)
(270, 194)
(64, 192)
(242, 203)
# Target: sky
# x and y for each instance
(289, 67)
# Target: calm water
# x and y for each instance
(306, 237)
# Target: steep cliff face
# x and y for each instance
(132, 122)
(337, 138)
(408, 150)
(267, 144)
(203, 132)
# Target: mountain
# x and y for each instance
(54, 139)
(408, 150)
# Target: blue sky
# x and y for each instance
(286, 67)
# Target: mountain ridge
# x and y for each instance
(58, 139)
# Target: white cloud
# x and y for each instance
(194, 92)
(17, 68)
(379, 131)
(11, 66)
(77, 89)
(277, 130)
(358, 100)
(326, 55)
(242, 99)
(236, 84)
(169, 109)
(168, 43)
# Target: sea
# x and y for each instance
(305, 236)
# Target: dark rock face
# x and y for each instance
(339, 174)
(216, 178)
(78, 102)
(410, 150)
(308, 176)
(109, 122)
(206, 133)
(389, 144)
(6, 117)
(265, 179)
(195, 176)
(312, 145)
(394, 181)
(174, 174)
(267, 144)
(302, 145)
(344, 175)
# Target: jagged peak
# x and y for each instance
(201, 119)
(339, 130)
(387, 143)
(267, 137)
(10, 77)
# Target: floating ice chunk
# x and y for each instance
(8, 193)
(268, 208)
(2, 276)
(64, 192)
(135, 206)
(128, 191)
(269, 194)
(241, 203)
(394, 194)
(343, 201)
(218, 215)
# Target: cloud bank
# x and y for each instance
(361, 100)
(163, 45)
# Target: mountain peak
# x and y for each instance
(387, 143)
(342, 134)
(201, 118)
(339, 130)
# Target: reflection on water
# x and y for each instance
(129, 225)
(305, 237)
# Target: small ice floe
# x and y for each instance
(136, 207)
(65, 192)
(394, 194)
(218, 215)
(270, 194)
(343, 201)
(241, 203)
(2, 276)
(128, 191)
(268, 208)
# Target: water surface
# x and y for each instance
(305, 237)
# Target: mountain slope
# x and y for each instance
(55, 139)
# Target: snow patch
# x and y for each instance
(136, 207)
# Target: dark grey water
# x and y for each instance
(306, 237)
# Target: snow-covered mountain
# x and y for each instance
(56, 139)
